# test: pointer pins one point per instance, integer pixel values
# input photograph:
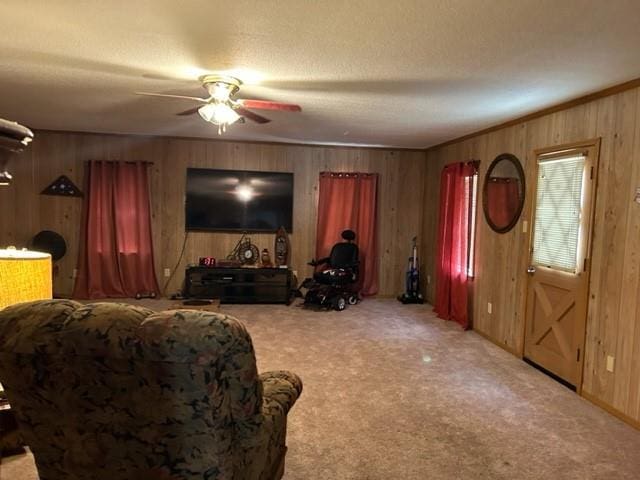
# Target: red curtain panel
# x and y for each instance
(348, 201)
(454, 230)
(503, 200)
(116, 255)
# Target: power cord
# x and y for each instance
(173, 270)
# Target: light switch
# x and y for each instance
(489, 307)
(525, 225)
(610, 361)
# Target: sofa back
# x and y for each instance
(110, 391)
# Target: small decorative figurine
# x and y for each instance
(265, 258)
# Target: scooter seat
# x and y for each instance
(335, 276)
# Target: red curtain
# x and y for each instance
(348, 201)
(454, 232)
(116, 255)
(502, 200)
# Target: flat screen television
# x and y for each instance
(238, 200)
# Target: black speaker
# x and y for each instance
(50, 242)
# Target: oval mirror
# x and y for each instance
(503, 193)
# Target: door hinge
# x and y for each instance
(578, 356)
(584, 267)
(591, 173)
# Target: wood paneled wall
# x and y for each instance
(25, 211)
(613, 324)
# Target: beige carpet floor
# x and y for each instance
(391, 392)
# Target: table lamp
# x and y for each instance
(24, 276)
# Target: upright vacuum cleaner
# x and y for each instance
(412, 293)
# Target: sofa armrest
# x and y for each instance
(281, 389)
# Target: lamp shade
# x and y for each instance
(24, 276)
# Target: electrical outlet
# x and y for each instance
(525, 225)
(167, 272)
(295, 273)
(610, 361)
(428, 279)
(489, 307)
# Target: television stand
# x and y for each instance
(239, 285)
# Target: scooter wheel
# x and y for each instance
(353, 299)
(339, 303)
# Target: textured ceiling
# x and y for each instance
(393, 73)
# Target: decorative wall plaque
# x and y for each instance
(62, 186)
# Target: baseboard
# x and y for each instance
(612, 410)
(587, 396)
(503, 346)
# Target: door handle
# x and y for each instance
(531, 269)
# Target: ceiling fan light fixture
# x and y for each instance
(221, 107)
(224, 114)
(206, 111)
(221, 91)
(220, 87)
(220, 114)
(5, 178)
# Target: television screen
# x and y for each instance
(238, 200)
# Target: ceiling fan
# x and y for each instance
(220, 108)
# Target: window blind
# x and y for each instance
(558, 211)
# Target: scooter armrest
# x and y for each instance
(315, 263)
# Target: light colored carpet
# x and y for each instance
(391, 392)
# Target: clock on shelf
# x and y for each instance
(248, 253)
(207, 262)
(244, 252)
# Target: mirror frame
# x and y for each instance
(485, 200)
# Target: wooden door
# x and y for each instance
(560, 246)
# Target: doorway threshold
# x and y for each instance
(550, 374)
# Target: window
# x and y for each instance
(471, 187)
(458, 186)
(559, 199)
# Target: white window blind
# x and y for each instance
(558, 211)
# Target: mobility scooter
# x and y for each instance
(335, 285)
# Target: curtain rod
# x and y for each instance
(347, 174)
(120, 161)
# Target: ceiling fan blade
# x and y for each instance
(184, 97)
(191, 111)
(251, 115)
(267, 105)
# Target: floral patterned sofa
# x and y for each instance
(113, 391)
